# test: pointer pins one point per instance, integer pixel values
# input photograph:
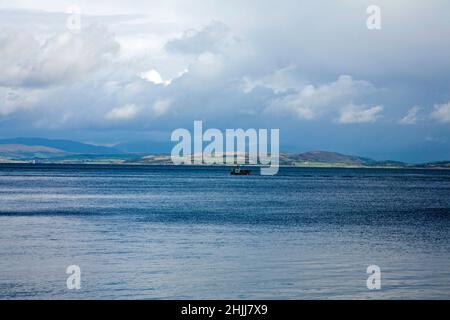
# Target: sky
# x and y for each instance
(123, 71)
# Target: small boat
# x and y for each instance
(240, 172)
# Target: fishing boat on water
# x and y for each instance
(240, 172)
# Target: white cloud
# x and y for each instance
(25, 61)
(279, 80)
(411, 116)
(312, 101)
(208, 65)
(441, 112)
(357, 114)
(154, 76)
(212, 38)
(161, 107)
(12, 100)
(127, 112)
(139, 46)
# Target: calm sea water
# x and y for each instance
(144, 232)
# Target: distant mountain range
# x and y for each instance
(58, 146)
(141, 152)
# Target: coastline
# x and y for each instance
(143, 164)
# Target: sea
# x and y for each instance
(197, 232)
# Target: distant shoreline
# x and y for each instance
(41, 150)
(315, 166)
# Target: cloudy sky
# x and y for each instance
(136, 70)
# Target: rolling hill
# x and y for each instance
(329, 157)
(68, 151)
(64, 145)
(40, 148)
